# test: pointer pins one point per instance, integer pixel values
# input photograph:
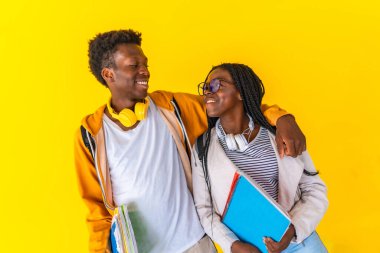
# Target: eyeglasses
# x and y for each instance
(211, 87)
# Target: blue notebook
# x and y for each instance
(252, 214)
(122, 235)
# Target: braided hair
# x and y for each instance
(252, 92)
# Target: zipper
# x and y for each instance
(180, 121)
(94, 155)
(183, 129)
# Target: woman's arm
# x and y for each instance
(309, 210)
(210, 220)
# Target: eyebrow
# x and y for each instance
(145, 59)
(140, 58)
(222, 79)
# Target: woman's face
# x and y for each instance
(226, 100)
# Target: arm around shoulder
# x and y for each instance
(193, 114)
(272, 113)
(289, 138)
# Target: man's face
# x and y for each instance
(130, 76)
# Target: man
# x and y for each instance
(136, 149)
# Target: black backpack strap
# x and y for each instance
(88, 141)
(177, 112)
(200, 142)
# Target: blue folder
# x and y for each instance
(113, 239)
(252, 214)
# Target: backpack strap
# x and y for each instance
(88, 141)
(200, 142)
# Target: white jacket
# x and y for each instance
(303, 197)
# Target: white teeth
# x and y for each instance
(142, 82)
(210, 101)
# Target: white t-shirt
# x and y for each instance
(147, 175)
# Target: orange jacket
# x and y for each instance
(185, 116)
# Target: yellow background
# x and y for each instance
(317, 59)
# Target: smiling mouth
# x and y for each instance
(143, 83)
(209, 101)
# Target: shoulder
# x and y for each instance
(164, 98)
(93, 122)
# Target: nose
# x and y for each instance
(143, 70)
(206, 90)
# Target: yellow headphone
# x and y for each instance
(128, 117)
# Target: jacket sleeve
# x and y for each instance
(98, 218)
(193, 113)
(312, 205)
(210, 220)
(272, 113)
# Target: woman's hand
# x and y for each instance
(277, 247)
(241, 247)
(289, 137)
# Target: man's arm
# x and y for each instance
(98, 219)
(193, 114)
(289, 137)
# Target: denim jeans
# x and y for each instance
(311, 244)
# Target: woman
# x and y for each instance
(239, 137)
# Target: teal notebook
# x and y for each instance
(252, 214)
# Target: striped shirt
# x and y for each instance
(257, 161)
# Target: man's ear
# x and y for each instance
(107, 75)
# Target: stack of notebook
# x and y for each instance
(122, 236)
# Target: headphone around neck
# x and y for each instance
(127, 117)
(235, 142)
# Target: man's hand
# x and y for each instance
(277, 247)
(241, 247)
(289, 137)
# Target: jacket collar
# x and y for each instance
(93, 122)
(289, 174)
(290, 169)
